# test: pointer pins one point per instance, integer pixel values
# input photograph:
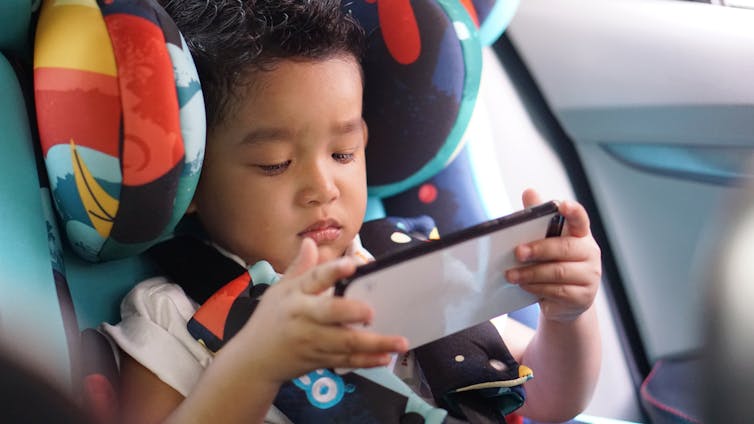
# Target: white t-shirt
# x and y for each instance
(153, 332)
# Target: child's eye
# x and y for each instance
(343, 157)
(274, 169)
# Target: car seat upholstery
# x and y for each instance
(35, 312)
(123, 168)
(122, 136)
(417, 159)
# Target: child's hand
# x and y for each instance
(564, 272)
(297, 328)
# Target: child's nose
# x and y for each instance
(319, 186)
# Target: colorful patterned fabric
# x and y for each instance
(121, 122)
(451, 197)
(121, 115)
(365, 396)
(491, 17)
(422, 70)
(484, 385)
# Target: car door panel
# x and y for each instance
(656, 98)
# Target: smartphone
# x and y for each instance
(444, 286)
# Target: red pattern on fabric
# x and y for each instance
(514, 419)
(152, 143)
(469, 5)
(427, 193)
(94, 97)
(399, 30)
(213, 313)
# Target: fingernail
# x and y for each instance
(512, 275)
(368, 321)
(402, 345)
(524, 252)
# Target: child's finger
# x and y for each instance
(576, 219)
(324, 276)
(335, 340)
(329, 310)
(576, 296)
(347, 361)
(564, 248)
(575, 273)
(530, 197)
(344, 362)
(364, 360)
(306, 258)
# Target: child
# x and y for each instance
(284, 182)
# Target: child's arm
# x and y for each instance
(294, 330)
(565, 352)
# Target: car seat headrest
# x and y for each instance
(422, 69)
(121, 122)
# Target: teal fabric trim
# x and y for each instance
(193, 128)
(375, 209)
(497, 21)
(721, 165)
(678, 125)
(109, 249)
(263, 273)
(98, 288)
(15, 17)
(472, 52)
(55, 242)
(29, 309)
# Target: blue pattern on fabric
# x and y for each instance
(323, 388)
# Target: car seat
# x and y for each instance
(36, 316)
(91, 269)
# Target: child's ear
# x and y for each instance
(366, 131)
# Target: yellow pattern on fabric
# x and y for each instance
(72, 35)
(99, 205)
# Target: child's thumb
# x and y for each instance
(306, 258)
(530, 197)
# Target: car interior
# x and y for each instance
(639, 109)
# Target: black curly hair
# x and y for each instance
(231, 39)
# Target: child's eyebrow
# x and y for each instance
(346, 127)
(272, 134)
(262, 135)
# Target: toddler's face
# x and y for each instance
(288, 164)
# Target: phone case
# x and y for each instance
(444, 286)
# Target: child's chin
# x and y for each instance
(329, 252)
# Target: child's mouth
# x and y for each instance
(322, 232)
